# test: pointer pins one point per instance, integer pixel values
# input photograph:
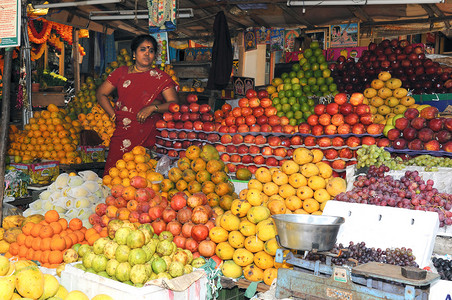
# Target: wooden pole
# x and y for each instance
(61, 62)
(4, 122)
(75, 59)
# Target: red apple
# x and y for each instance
(191, 98)
(296, 140)
(310, 141)
(401, 123)
(351, 119)
(324, 142)
(266, 102)
(345, 153)
(358, 129)
(262, 94)
(346, 109)
(254, 149)
(167, 116)
(411, 113)
(330, 129)
(436, 124)
(177, 116)
(368, 140)
(332, 108)
(338, 141)
(260, 139)
(272, 162)
(243, 128)
(330, 154)
(304, 128)
(188, 125)
(317, 130)
(362, 109)
(340, 98)
(448, 124)
(325, 119)
(226, 139)
(383, 142)
(258, 112)
(356, 99)
(344, 129)
(337, 119)
(194, 107)
(242, 149)
(447, 146)
(235, 158)
(247, 159)
(432, 145)
(259, 160)
(366, 119)
(338, 164)
(255, 128)
(254, 102)
(197, 125)
(231, 168)
(173, 107)
(274, 141)
(375, 129)
(243, 102)
(353, 141)
(418, 123)
(184, 108)
(225, 157)
(313, 120)
(250, 93)
(425, 134)
(319, 109)
(409, 133)
(280, 151)
(416, 144)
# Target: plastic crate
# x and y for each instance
(231, 294)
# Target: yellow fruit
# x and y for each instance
(270, 275)
(398, 109)
(224, 251)
(2, 231)
(266, 230)
(293, 203)
(311, 205)
(62, 292)
(399, 93)
(30, 282)
(7, 287)
(287, 190)
(280, 178)
(51, 287)
(276, 207)
(255, 184)
(270, 189)
(318, 155)
(257, 213)
(76, 295)
(296, 180)
(263, 260)
(263, 175)
(336, 186)
(11, 234)
(236, 239)
(290, 167)
(4, 246)
(12, 221)
(384, 76)
(271, 246)
(309, 169)
(407, 101)
(384, 93)
(316, 183)
(102, 297)
(229, 221)
(377, 84)
(231, 269)
(243, 257)
(325, 171)
(253, 244)
(254, 197)
(305, 192)
(393, 83)
(247, 228)
(376, 101)
(240, 207)
(253, 273)
(302, 156)
(370, 92)
(218, 235)
(4, 265)
(321, 195)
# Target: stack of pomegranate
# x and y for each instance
(402, 59)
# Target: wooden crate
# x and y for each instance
(46, 98)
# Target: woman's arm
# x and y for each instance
(102, 93)
(170, 96)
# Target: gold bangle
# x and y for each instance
(156, 107)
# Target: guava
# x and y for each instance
(138, 274)
(188, 269)
(122, 272)
(153, 276)
(159, 265)
(176, 269)
(181, 257)
(121, 235)
(198, 262)
(164, 275)
(153, 243)
(149, 251)
(70, 256)
(168, 260)
(137, 256)
(80, 266)
(83, 249)
(112, 264)
(128, 282)
(110, 249)
(122, 253)
(147, 235)
(190, 256)
(155, 236)
(148, 269)
(166, 235)
(113, 226)
(164, 248)
(76, 247)
(126, 223)
(148, 227)
(90, 270)
(136, 239)
(99, 263)
(99, 244)
(88, 259)
(103, 274)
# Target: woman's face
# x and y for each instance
(145, 54)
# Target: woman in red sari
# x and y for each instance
(144, 93)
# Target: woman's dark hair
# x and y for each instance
(140, 39)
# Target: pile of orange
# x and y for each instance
(46, 241)
(50, 134)
(134, 163)
(99, 121)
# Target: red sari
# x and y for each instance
(135, 91)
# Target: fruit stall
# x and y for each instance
(332, 179)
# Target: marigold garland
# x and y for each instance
(41, 37)
(36, 52)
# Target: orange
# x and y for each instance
(68, 241)
(104, 232)
(28, 241)
(51, 216)
(35, 231)
(46, 231)
(57, 227)
(128, 156)
(37, 255)
(64, 233)
(45, 243)
(131, 165)
(93, 238)
(137, 150)
(29, 254)
(36, 245)
(21, 239)
(56, 257)
(63, 223)
(22, 251)
(58, 243)
(90, 232)
(45, 256)
(14, 248)
(121, 164)
(43, 223)
(75, 224)
(80, 236)
(83, 230)
(52, 108)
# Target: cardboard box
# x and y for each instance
(92, 153)
(40, 173)
(46, 98)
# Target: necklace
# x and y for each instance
(136, 69)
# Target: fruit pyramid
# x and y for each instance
(133, 163)
(84, 100)
(99, 121)
(387, 98)
(50, 135)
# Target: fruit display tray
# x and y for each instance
(419, 152)
(386, 227)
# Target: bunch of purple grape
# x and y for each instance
(398, 256)
(409, 192)
(444, 267)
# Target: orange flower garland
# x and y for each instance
(39, 37)
(37, 52)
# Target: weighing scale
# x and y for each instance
(316, 280)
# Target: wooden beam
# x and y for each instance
(296, 16)
(408, 21)
(360, 13)
(75, 59)
(435, 10)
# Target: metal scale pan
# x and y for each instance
(313, 280)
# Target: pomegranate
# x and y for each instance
(174, 227)
(184, 215)
(178, 201)
(207, 248)
(191, 244)
(168, 214)
(164, 202)
(210, 224)
(199, 232)
(186, 229)
(158, 226)
(200, 215)
(155, 212)
(196, 199)
(180, 240)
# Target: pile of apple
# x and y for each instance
(342, 116)
(420, 131)
(254, 113)
(402, 59)
(174, 143)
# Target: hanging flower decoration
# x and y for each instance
(55, 42)
(37, 51)
(39, 37)
(83, 33)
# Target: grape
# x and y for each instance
(431, 163)
(409, 192)
(444, 267)
(374, 155)
(359, 252)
